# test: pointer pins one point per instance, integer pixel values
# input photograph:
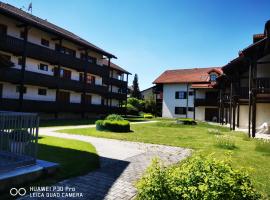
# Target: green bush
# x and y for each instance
(114, 117)
(196, 178)
(149, 116)
(186, 121)
(113, 125)
(225, 142)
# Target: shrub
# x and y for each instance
(225, 142)
(186, 121)
(113, 125)
(132, 110)
(196, 178)
(214, 131)
(20, 136)
(149, 116)
(114, 117)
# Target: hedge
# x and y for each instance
(113, 125)
(148, 116)
(186, 121)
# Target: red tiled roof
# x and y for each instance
(202, 85)
(114, 66)
(195, 75)
(44, 24)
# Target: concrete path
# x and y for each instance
(122, 164)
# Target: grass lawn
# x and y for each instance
(247, 153)
(75, 157)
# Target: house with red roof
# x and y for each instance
(189, 93)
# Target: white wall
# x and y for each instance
(169, 101)
(75, 97)
(243, 116)
(200, 113)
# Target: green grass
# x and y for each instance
(247, 152)
(75, 157)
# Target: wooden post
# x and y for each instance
(230, 109)
(24, 55)
(254, 98)
(238, 115)
(57, 87)
(234, 107)
(194, 99)
(126, 96)
(83, 100)
(187, 102)
(249, 98)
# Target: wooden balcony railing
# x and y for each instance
(32, 78)
(15, 46)
(115, 95)
(205, 102)
(116, 82)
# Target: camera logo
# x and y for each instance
(15, 191)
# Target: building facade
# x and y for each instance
(245, 87)
(46, 69)
(186, 93)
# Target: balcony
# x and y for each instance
(32, 78)
(116, 82)
(115, 95)
(15, 46)
(50, 107)
(205, 102)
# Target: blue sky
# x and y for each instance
(151, 36)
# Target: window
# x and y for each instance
(213, 77)
(180, 95)
(20, 61)
(65, 50)
(42, 92)
(22, 34)
(3, 29)
(65, 74)
(24, 89)
(45, 42)
(180, 110)
(91, 79)
(190, 93)
(190, 109)
(88, 99)
(89, 58)
(43, 67)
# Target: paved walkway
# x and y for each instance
(122, 164)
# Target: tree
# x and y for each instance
(135, 86)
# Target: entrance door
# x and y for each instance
(211, 114)
(63, 97)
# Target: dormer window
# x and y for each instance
(213, 77)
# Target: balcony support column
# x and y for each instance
(194, 106)
(254, 99)
(126, 91)
(187, 102)
(238, 115)
(58, 87)
(234, 109)
(83, 100)
(109, 83)
(230, 109)
(24, 55)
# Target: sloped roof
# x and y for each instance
(28, 18)
(114, 66)
(194, 75)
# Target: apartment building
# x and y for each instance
(245, 86)
(47, 69)
(189, 93)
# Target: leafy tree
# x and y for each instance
(135, 86)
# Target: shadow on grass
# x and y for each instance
(75, 163)
(66, 122)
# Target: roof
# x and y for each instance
(114, 66)
(150, 88)
(202, 85)
(28, 18)
(194, 75)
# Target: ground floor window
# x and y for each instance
(190, 109)
(180, 110)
